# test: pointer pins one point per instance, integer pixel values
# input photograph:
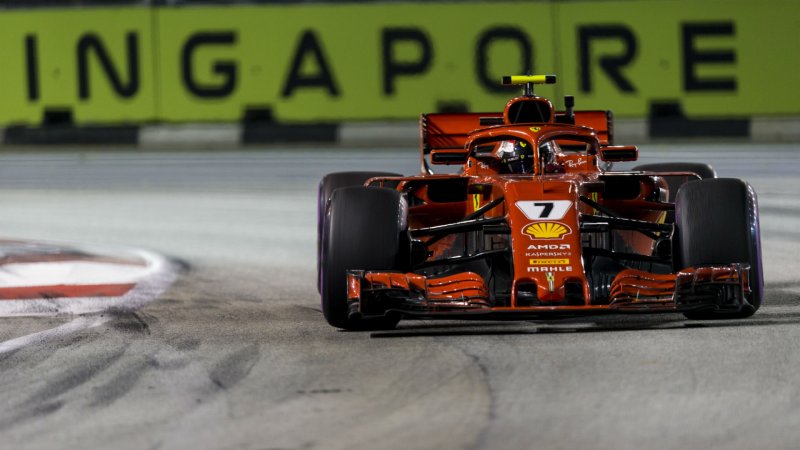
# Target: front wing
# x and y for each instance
(465, 295)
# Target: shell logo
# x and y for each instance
(546, 230)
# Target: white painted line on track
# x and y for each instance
(394, 134)
(79, 324)
(69, 272)
(770, 129)
(191, 135)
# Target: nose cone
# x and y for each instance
(545, 236)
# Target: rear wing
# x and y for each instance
(602, 122)
(449, 131)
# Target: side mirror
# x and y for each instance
(617, 153)
(449, 156)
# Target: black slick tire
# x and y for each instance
(363, 231)
(717, 223)
(327, 185)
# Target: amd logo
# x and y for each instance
(548, 247)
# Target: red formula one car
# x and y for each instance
(534, 225)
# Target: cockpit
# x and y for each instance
(512, 155)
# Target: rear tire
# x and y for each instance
(327, 185)
(717, 222)
(363, 231)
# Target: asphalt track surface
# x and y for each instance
(237, 355)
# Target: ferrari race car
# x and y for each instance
(534, 225)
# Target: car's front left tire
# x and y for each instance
(363, 230)
(327, 185)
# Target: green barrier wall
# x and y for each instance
(392, 61)
(718, 58)
(54, 59)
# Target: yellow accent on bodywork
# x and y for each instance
(522, 79)
(549, 261)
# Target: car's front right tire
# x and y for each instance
(716, 223)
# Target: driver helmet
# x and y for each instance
(516, 155)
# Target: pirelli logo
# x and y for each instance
(549, 261)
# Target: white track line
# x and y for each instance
(81, 323)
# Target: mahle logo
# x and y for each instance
(546, 230)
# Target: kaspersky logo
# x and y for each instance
(546, 230)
